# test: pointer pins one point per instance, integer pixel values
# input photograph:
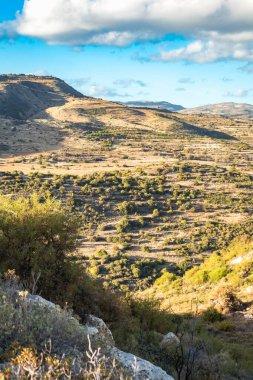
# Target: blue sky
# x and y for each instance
(134, 49)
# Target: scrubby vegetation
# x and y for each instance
(141, 217)
(44, 229)
(41, 341)
(148, 216)
(229, 269)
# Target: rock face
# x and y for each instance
(101, 337)
(242, 258)
(99, 334)
(137, 368)
(249, 289)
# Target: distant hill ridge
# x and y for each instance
(227, 109)
(149, 104)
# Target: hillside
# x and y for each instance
(23, 96)
(231, 110)
(160, 105)
(158, 197)
(105, 154)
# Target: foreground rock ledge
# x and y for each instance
(100, 336)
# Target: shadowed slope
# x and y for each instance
(22, 96)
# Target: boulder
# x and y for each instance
(38, 299)
(99, 334)
(170, 340)
(137, 368)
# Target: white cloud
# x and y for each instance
(220, 28)
(128, 82)
(78, 82)
(241, 93)
(8, 29)
(211, 48)
(100, 91)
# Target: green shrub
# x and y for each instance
(199, 278)
(212, 315)
(35, 235)
(218, 273)
(165, 279)
(225, 325)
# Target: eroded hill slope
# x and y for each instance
(23, 96)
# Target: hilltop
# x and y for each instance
(44, 114)
(229, 109)
(23, 96)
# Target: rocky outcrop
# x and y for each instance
(39, 300)
(101, 337)
(137, 368)
(99, 334)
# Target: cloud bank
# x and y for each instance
(218, 29)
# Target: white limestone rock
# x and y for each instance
(137, 368)
(170, 340)
(41, 301)
(99, 334)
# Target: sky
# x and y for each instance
(188, 52)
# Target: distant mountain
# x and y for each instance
(160, 105)
(23, 96)
(223, 109)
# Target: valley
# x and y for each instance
(151, 187)
(163, 202)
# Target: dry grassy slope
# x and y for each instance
(56, 119)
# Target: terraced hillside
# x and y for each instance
(154, 190)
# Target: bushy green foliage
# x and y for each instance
(165, 279)
(219, 265)
(35, 235)
(124, 273)
(212, 315)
